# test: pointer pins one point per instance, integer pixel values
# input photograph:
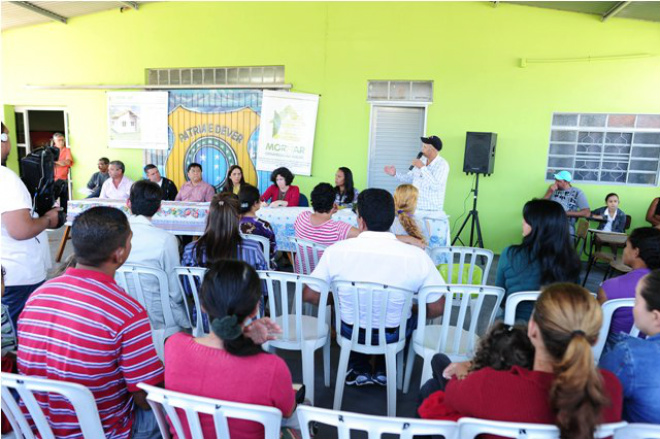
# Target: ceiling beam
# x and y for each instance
(614, 10)
(133, 5)
(41, 11)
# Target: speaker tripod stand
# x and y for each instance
(472, 217)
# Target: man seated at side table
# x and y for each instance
(118, 186)
(195, 189)
(375, 255)
(81, 327)
(572, 199)
(155, 248)
(98, 178)
(167, 186)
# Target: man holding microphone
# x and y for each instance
(428, 173)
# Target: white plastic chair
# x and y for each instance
(638, 431)
(452, 340)
(166, 402)
(80, 397)
(265, 244)
(191, 277)
(135, 273)
(515, 299)
(370, 302)
(463, 257)
(300, 331)
(307, 254)
(609, 308)
(375, 426)
(470, 428)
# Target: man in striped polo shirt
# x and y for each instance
(82, 327)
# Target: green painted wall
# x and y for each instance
(470, 50)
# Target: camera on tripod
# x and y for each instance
(37, 170)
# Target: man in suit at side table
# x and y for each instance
(166, 185)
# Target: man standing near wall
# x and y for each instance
(429, 175)
(62, 166)
(572, 199)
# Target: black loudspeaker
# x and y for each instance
(479, 153)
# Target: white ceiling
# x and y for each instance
(14, 15)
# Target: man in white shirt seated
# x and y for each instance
(118, 186)
(155, 248)
(376, 256)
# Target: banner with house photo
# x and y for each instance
(288, 125)
(137, 120)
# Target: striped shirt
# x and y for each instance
(325, 234)
(249, 252)
(83, 328)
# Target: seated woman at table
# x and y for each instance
(345, 193)
(281, 193)
(546, 254)
(250, 203)
(653, 213)
(229, 363)
(642, 254)
(235, 180)
(564, 387)
(614, 218)
(406, 226)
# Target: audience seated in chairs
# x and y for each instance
(250, 203)
(615, 218)
(407, 227)
(228, 363)
(282, 193)
(564, 386)
(345, 192)
(546, 254)
(155, 248)
(635, 360)
(503, 347)
(82, 327)
(642, 254)
(376, 256)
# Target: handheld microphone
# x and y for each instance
(419, 156)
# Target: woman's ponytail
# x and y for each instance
(405, 203)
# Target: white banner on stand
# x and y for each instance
(137, 120)
(286, 132)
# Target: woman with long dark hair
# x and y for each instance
(564, 386)
(345, 192)
(228, 363)
(546, 254)
(235, 180)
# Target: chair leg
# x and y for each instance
(341, 377)
(608, 272)
(390, 369)
(586, 275)
(326, 362)
(307, 355)
(60, 250)
(410, 364)
(399, 370)
(427, 373)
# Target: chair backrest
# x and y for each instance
(628, 221)
(375, 426)
(165, 403)
(638, 431)
(512, 302)
(457, 337)
(366, 304)
(265, 244)
(136, 274)
(282, 308)
(303, 201)
(462, 263)
(470, 428)
(609, 308)
(308, 254)
(79, 397)
(190, 279)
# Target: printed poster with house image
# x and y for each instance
(137, 120)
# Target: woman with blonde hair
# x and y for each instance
(564, 387)
(405, 222)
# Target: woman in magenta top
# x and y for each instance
(642, 254)
(564, 386)
(228, 363)
(281, 193)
